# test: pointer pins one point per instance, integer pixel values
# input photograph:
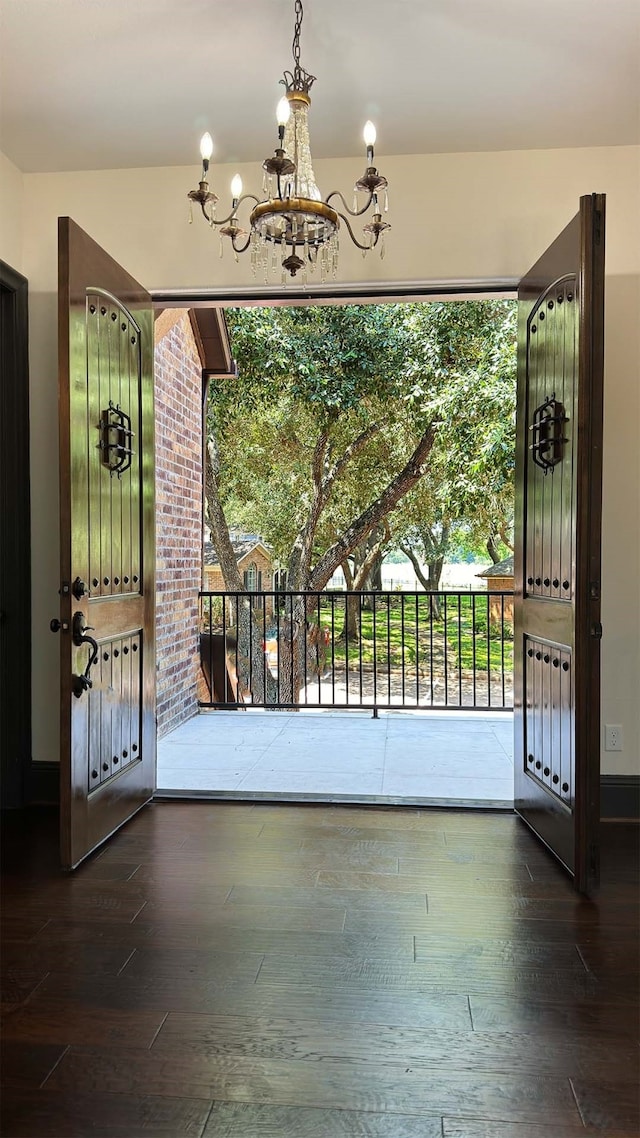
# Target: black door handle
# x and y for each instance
(80, 684)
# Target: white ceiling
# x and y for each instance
(91, 84)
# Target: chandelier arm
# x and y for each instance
(224, 220)
(351, 212)
(241, 248)
(353, 236)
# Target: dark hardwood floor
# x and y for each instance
(244, 971)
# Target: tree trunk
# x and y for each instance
(365, 578)
(297, 657)
(351, 627)
(434, 573)
(430, 583)
(374, 580)
(492, 549)
(370, 566)
(254, 674)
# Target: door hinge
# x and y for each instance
(594, 590)
(596, 630)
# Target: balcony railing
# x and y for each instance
(445, 650)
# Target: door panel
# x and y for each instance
(557, 564)
(107, 544)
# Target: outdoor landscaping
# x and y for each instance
(352, 433)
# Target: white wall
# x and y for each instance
(460, 216)
(11, 213)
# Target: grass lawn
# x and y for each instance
(404, 632)
(396, 633)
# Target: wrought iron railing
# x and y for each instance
(358, 650)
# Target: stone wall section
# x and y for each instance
(179, 518)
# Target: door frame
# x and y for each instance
(15, 549)
(413, 291)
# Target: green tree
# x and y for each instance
(332, 423)
(467, 492)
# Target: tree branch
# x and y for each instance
(372, 556)
(348, 575)
(317, 462)
(492, 549)
(504, 537)
(410, 474)
(416, 566)
(353, 448)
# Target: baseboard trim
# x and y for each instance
(620, 796)
(44, 784)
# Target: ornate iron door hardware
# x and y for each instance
(546, 429)
(116, 437)
(80, 684)
(79, 589)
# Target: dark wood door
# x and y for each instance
(108, 735)
(558, 522)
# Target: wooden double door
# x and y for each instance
(107, 536)
(107, 587)
(557, 560)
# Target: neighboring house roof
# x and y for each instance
(502, 569)
(242, 547)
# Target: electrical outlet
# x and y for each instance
(612, 737)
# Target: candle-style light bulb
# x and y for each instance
(283, 111)
(236, 189)
(369, 135)
(206, 147)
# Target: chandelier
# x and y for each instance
(292, 228)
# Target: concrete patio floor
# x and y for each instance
(456, 758)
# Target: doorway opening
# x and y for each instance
(557, 546)
(399, 688)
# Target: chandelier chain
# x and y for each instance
(292, 228)
(296, 34)
(298, 79)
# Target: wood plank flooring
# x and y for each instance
(260, 971)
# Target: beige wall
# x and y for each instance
(460, 216)
(11, 212)
(453, 216)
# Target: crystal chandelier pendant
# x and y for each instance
(292, 228)
(297, 145)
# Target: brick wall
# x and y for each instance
(178, 517)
